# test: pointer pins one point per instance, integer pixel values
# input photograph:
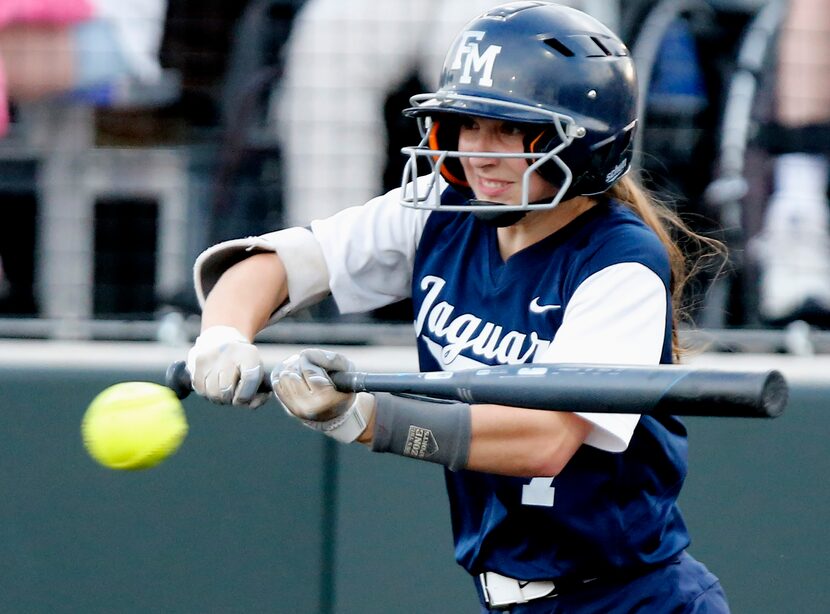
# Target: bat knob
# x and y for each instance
(178, 379)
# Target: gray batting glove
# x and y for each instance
(303, 386)
(225, 367)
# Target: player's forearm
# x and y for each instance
(488, 438)
(523, 442)
(247, 294)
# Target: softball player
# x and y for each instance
(331, 45)
(526, 243)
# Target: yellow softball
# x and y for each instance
(133, 425)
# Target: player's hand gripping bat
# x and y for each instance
(659, 390)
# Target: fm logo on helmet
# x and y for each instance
(469, 58)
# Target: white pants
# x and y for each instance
(342, 61)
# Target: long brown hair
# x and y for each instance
(697, 252)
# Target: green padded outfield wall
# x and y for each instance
(232, 523)
(256, 514)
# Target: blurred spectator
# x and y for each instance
(97, 52)
(793, 247)
(91, 49)
(342, 61)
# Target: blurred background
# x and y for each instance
(168, 126)
(137, 133)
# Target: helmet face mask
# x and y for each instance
(550, 68)
(441, 160)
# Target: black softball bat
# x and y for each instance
(659, 390)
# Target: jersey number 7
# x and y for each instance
(539, 492)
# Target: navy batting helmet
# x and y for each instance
(558, 71)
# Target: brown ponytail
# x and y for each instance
(671, 230)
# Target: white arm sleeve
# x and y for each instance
(370, 251)
(616, 316)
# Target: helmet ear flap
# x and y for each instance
(595, 177)
(607, 164)
(443, 136)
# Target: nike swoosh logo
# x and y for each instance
(535, 307)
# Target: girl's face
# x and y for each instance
(498, 180)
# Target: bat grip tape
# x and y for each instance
(433, 431)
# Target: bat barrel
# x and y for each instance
(664, 390)
(726, 394)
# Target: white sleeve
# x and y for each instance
(370, 251)
(139, 25)
(616, 316)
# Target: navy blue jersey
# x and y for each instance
(606, 510)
